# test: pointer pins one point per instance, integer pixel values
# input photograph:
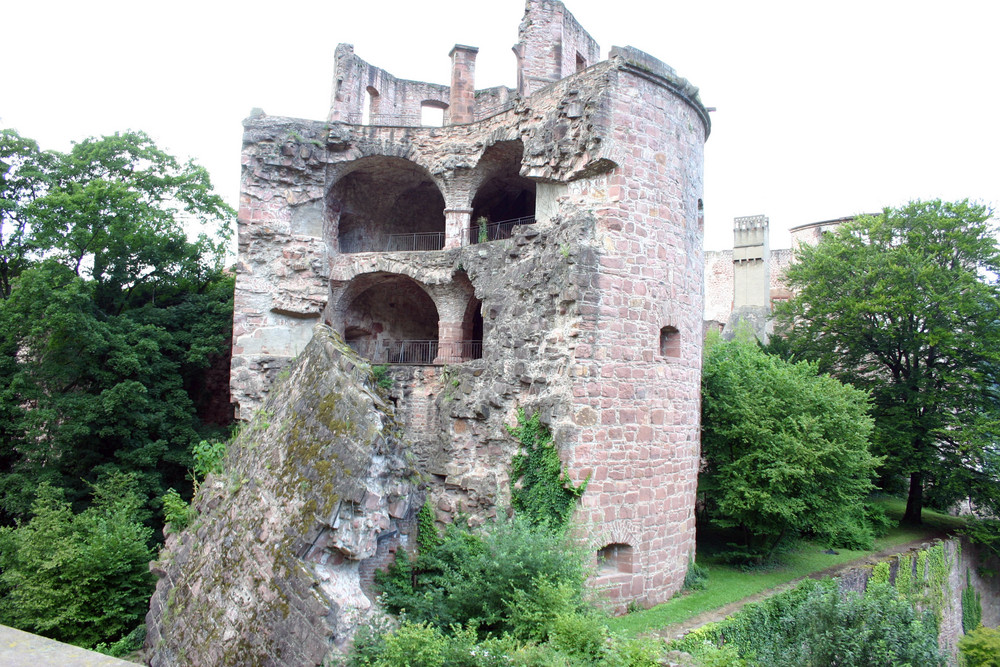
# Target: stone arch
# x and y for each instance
(388, 318)
(616, 557)
(384, 203)
(502, 195)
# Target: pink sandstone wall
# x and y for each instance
(573, 306)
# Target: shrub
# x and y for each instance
(981, 647)
(785, 449)
(78, 578)
(814, 624)
(480, 577)
(177, 512)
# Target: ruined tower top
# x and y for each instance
(551, 45)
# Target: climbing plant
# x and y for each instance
(972, 606)
(541, 492)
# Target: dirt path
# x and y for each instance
(678, 630)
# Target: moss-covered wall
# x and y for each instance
(269, 573)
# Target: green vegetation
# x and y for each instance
(727, 583)
(972, 606)
(815, 624)
(540, 491)
(79, 578)
(902, 304)
(472, 597)
(380, 374)
(109, 317)
(981, 647)
(785, 450)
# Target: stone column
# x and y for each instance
(449, 337)
(462, 100)
(456, 221)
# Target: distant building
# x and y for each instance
(743, 284)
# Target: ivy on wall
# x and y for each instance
(541, 492)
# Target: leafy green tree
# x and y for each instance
(981, 647)
(906, 304)
(79, 578)
(23, 177)
(785, 449)
(109, 316)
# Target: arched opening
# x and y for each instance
(390, 319)
(387, 204)
(472, 330)
(504, 198)
(670, 342)
(616, 557)
(432, 113)
(369, 112)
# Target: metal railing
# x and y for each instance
(426, 352)
(419, 241)
(495, 231)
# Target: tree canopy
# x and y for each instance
(785, 449)
(906, 304)
(108, 314)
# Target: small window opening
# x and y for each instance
(369, 112)
(701, 214)
(670, 343)
(432, 114)
(615, 557)
(581, 64)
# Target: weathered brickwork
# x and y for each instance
(317, 492)
(542, 250)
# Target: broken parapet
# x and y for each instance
(275, 569)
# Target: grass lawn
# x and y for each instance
(728, 584)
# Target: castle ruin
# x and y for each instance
(542, 249)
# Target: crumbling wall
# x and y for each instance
(551, 45)
(393, 101)
(273, 569)
(282, 267)
(591, 316)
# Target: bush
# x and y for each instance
(177, 512)
(78, 578)
(785, 449)
(814, 624)
(482, 578)
(981, 647)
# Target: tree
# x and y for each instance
(907, 305)
(785, 449)
(23, 177)
(108, 317)
(79, 578)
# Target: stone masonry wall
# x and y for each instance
(316, 491)
(591, 316)
(967, 563)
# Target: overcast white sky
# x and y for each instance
(825, 109)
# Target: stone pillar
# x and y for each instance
(449, 337)
(462, 100)
(456, 221)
